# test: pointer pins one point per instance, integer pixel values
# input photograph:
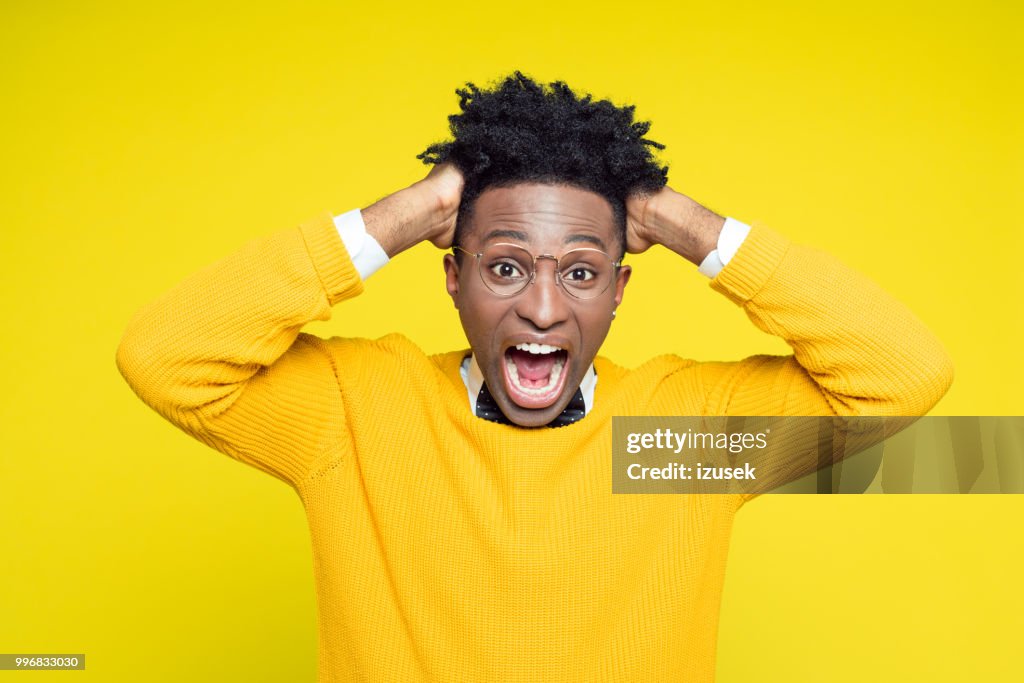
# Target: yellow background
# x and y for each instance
(140, 144)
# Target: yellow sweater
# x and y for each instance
(450, 548)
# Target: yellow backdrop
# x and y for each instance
(140, 144)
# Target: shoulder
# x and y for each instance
(387, 362)
(636, 387)
(394, 344)
(651, 369)
(356, 358)
(674, 383)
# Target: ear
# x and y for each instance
(451, 278)
(620, 282)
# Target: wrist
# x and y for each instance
(401, 220)
(684, 226)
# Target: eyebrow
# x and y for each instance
(514, 234)
(523, 237)
(579, 237)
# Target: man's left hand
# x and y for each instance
(674, 220)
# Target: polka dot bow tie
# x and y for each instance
(487, 409)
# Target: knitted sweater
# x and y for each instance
(450, 548)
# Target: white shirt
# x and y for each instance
(368, 257)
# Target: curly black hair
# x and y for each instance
(522, 131)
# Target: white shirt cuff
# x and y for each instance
(729, 241)
(366, 253)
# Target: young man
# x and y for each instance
(460, 505)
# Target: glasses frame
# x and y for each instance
(617, 265)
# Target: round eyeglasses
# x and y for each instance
(507, 269)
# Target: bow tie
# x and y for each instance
(487, 409)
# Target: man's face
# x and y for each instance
(544, 219)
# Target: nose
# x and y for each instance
(541, 302)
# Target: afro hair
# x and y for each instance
(523, 131)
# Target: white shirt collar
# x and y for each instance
(474, 379)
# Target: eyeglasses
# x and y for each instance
(507, 269)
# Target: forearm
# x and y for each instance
(424, 211)
(189, 353)
(681, 224)
(857, 350)
(398, 221)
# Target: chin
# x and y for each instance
(532, 417)
(534, 409)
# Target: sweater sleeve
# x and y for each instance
(221, 355)
(856, 350)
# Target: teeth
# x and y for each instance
(556, 371)
(537, 349)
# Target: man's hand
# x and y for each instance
(674, 220)
(637, 239)
(444, 184)
(426, 210)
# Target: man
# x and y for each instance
(460, 505)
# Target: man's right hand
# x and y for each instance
(426, 210)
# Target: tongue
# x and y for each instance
(532, 366)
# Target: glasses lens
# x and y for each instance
(505, 268)
(586, 273)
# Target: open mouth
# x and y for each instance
(535, 374)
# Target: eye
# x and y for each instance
(506, 270)
(579, 274)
